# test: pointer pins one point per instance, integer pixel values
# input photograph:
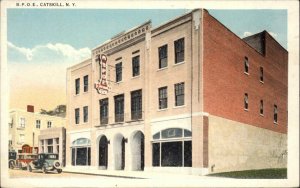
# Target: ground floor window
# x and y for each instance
(178, 153)
(172, 147)
(81, 156)
(81, 152)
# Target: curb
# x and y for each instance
(107, 175)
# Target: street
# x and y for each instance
(17, 173)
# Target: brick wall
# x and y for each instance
(225, 82)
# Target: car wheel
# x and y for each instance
(11, 165)
(59, 170)
(29, 168)
(44, 170)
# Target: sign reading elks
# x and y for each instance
(102, 85)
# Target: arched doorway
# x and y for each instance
(103, 152)
(119, 152)
(137, 151)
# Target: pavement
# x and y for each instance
(130, 174)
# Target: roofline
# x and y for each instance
(266, 32)
(121, 34)
(173, 20)
(241, 39)
(78, 64)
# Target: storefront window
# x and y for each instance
(173, 148)
(81, 152)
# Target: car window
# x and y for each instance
(52, 156)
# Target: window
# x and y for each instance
(246, 101)
(179, 50)
(261, 75)
(119, 108)
(275, 114)
(261, 107)
(86, 83)
(49, 124)
(50, 146)
(22, 122)
(77, 86)
(163, 97)
(175, 152)
(179, 94)
(21, 138)
(246, 62)
(38, 124)
(136, 66)
(103, 111)
(136, 104)
(77, 116)
(81, 152)
(85, 114)
(119, 72)
(163, 56)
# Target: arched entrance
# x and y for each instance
(103, 152)
(137, 150)
(119, 152)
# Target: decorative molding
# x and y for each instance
(123, 38)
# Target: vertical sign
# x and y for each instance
(102, 85)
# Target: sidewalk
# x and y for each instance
(131, 174)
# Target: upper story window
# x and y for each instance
(21, 138)
(119, 108)
(77, 86)
(86, 83)
(136, 66)
(179, 94)
(85, 114)
(136, 104)
(163, 56)
(22, 122)
(261, 110)
(261, 74)
(275, 114)
(119, 72)
(38, 124)
(179, 50)
(163, 97)
(246, 64)
(246, 101)
(49, 124)
(77, 112)
(103, 111)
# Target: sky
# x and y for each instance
(43, 43)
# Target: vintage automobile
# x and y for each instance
(24, 159)
(12, 156)
(45, 162)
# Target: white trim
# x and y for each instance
(79, 131)
(247, 73)
(181, 116)
(162, 109)
(161, 69)
(179, 63)
(181, 106)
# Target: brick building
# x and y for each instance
(188, 95)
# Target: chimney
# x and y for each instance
(30, 108)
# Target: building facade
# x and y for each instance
(188, 95)
(25, 127)
(53, 140)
